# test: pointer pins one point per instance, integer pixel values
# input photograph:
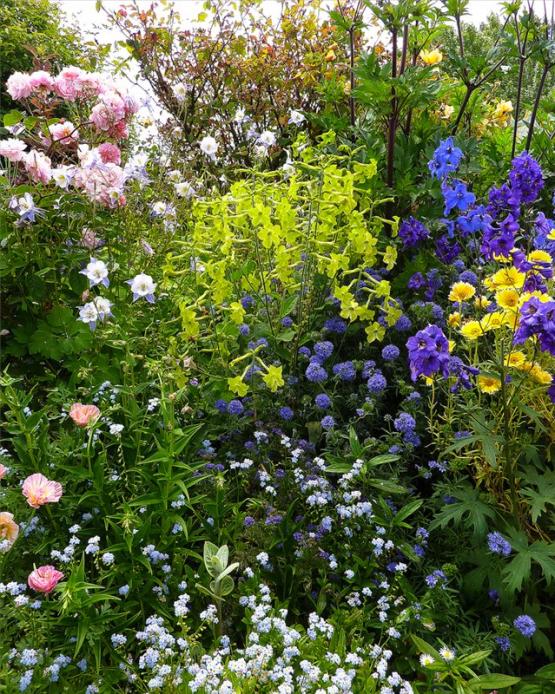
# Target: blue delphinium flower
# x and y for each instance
(498, 544)
(446, 159)
(537, 318)
(412, 232)
(428, 353)
(457, 197)
(322, 401)
(526, 625)
(390, 352)
(526, 177)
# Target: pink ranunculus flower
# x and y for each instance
(109, 153)
(44, 579)
(39, 490)
(83, 415)
(19, 86)
(38, 166)
(12, 149)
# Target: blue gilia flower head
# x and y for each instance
(446, 159)
(526, 625)
(404, 423)
(286, 413)
(323, 350)
(390, 352)
(498, 544)
(315, 373)
(322, 401)
(327, 422)
(235, 407)
(345, 371)
(335, 325)
(436, 578)
(377, 383)
(503, 642)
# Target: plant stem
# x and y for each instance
(393, 113)
(541, 85)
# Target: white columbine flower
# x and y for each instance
(175, 176)
(184, 189)
(142, 286)
(180, 91)
(209, 146)
(296, 117)
(96, 272)
(240, 116)
(96, 310)
(266, 138)
(62, 176)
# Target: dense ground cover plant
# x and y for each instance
(276, 432)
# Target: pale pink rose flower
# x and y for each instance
(131, 105)
(3, 471)
(19, 86)
(38, 166)
(89, 239)
(67, 83)
(39, 490)
(102, 184)
(9, 529)
(12, 149)
(83, 415)
(109, 153)
(40, 79)
(44, 579)
(65, 133)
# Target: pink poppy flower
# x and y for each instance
(44, 579)
(9, 530)
(83, 415)
(39, 490)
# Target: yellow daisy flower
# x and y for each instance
(461, 291)
(507, 298)
(515, 359)
(454, 319)
(472, 330)
(488, 384)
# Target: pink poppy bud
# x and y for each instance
(83, 415)
(44, 579)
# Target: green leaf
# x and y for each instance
(12, 118)
(424, 647)
(493, 681)
(408, 510)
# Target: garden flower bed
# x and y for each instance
(277, 388)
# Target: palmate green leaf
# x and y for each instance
(469, 509)
(519, 569)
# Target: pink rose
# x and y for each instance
(44, 579)
(38, 166)
(83, 415)
(109, 153)
(66, 83)
(3, 471)
(40, 79)
(39, 490)
(19, 86)
(12, 149)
